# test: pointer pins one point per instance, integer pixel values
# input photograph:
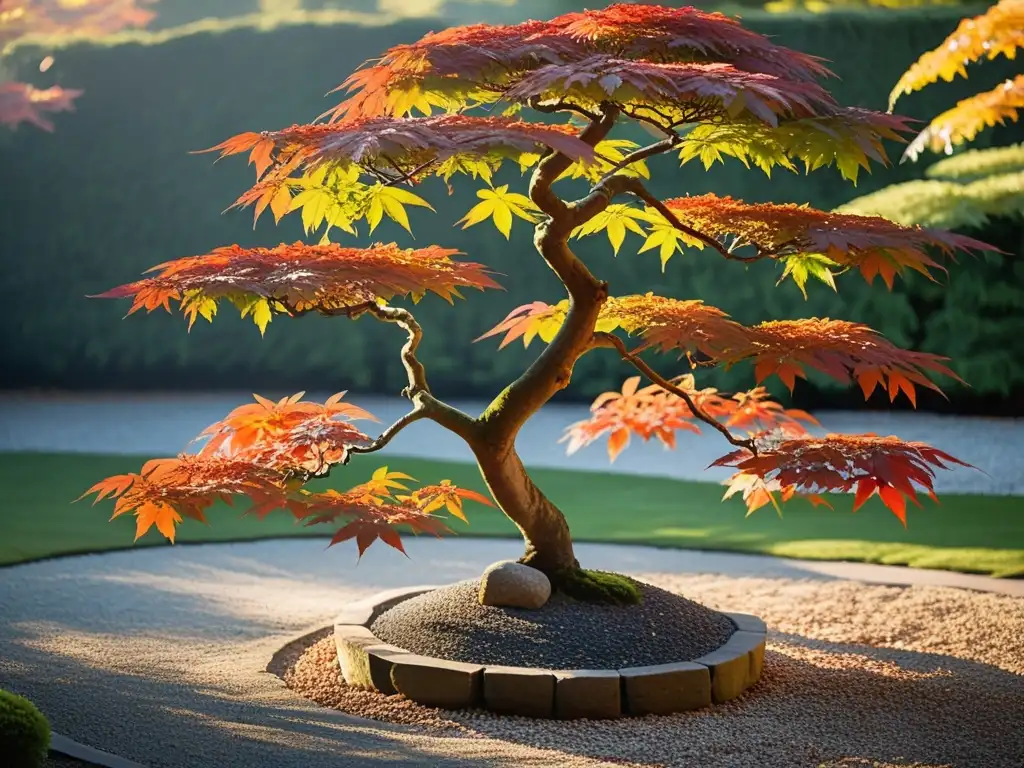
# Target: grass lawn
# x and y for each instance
(979, 534)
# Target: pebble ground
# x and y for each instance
(450, 623)
(161, 656)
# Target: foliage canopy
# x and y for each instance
(708, 89)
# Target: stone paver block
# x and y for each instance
(364, 660)
(756, 664)
(437, 682)
(664, 688)
(731, 665)
(519, 691)
(591, 693)
(717, 677)
(747, 622)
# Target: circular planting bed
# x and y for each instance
(440, 647)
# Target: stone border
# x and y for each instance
(62, 745)
(368, 662)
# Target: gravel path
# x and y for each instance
(159, 656)
(163, 424)
(451, 624)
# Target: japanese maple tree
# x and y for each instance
(453, 104)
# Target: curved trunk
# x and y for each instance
(548, 543)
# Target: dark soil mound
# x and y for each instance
(449, 623)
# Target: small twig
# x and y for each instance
(562, 106)
(418, 412)
(637, 188)
(417, 389)
(378, 174)
(661, 147)
(603, 339)
(406, 177)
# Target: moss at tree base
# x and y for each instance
(596, 587)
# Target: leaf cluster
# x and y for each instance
(266, 451)
(841, 349)
(321, 166)
(947, 204)
(24, 103)
(997, 32)
(653, 412)
(894, 469)
(298, 278)
(478, 64)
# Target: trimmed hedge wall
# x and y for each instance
(115, 191)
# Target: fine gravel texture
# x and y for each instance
(450, 623)
(163, 656)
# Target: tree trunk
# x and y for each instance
(548, 543)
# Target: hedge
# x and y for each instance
(115, 191)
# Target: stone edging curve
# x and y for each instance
(368, 662)
(62, 745)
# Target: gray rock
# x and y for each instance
(513, 585)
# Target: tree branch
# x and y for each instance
(417, 390)
(553, 164)
(602, 339)
(601, 195)
(418, 412)
(552, 369)
(637, 188)
(562, 106)
(658, 148)
(403, 318)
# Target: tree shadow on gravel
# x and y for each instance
(818, 703)
(160, 721)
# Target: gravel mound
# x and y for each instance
(449, 623)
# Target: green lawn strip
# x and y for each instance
(978, 534)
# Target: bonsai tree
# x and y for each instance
(967, 189)
(709, 89)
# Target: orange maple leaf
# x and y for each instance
(652, 411)
(300, 278)
(997, 32)
(871, 244)
(892, 468)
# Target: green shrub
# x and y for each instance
(24, 732)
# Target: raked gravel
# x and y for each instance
(161, 656)
(449, 623)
